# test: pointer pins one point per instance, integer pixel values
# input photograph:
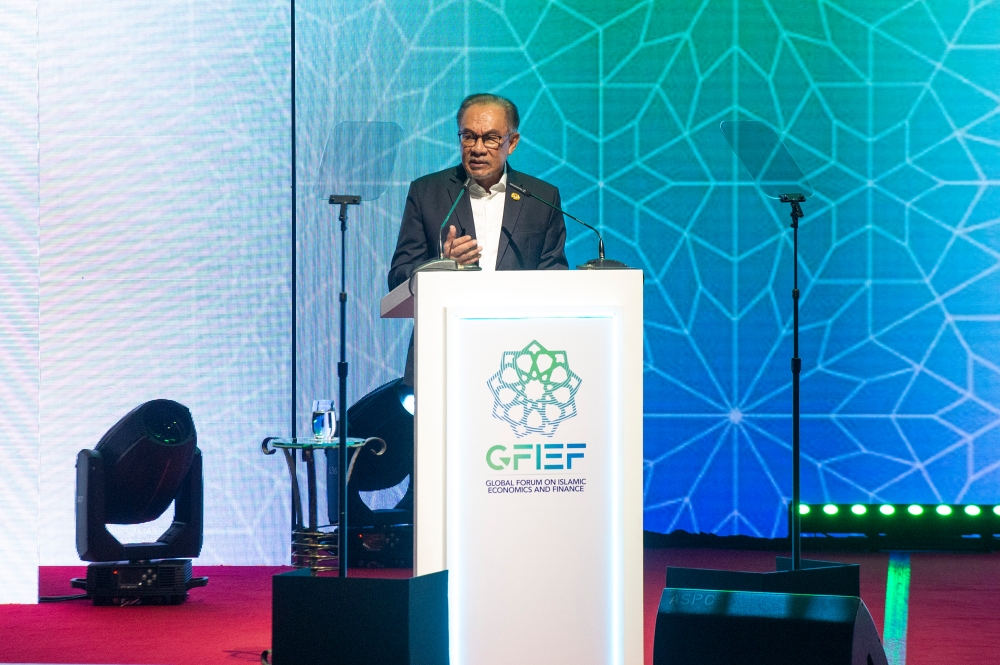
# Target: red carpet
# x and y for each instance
(229, 621)
(954, 612)
(954, 609)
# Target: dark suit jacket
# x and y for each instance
(532, 237)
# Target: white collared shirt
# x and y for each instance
(487, 215)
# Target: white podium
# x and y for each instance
(528, 461)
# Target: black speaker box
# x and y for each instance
(815, 577)
(707, 627)
(359, 621)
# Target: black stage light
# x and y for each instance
(147, 460)
(385, 534)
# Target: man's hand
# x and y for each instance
(465, 250)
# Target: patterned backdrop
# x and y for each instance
(890, 107)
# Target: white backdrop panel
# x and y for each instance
(165, 248)
(18, 302)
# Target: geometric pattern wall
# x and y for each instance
(891, 108)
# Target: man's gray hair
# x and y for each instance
(509, 108)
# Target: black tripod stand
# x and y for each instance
(777, 176)
(794, 518)
(342, 369)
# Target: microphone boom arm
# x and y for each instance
(441, 263)
(600, 262)
(451, 210)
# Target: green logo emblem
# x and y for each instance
(534, 390)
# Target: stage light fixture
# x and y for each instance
(914, 510)
(803, 509)
(887, 509)
(380, 490)
(996, 510)
(858, 509)
(146, 461)
(972, 511)
(943, 510)
(830, 509)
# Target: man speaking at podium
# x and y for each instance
(493, 225)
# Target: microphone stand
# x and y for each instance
(795, 519)
(600, 263)
(343, 201)
(441, 263)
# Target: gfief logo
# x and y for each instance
(534, 390)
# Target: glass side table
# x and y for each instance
(314, 546)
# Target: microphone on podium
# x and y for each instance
(600, 263)
(461, 192)
(441, 263)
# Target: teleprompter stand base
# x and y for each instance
(359, 621)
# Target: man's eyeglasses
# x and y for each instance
(490, 141)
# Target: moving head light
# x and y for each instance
(147, 460)
(385, 534)
(382, 413)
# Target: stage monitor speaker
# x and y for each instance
(358, 620)
(706, 627)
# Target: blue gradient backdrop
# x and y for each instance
(890, 107)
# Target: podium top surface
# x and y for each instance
(399, 303)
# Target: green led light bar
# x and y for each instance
(908, 522)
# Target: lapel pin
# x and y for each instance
(515, 196)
